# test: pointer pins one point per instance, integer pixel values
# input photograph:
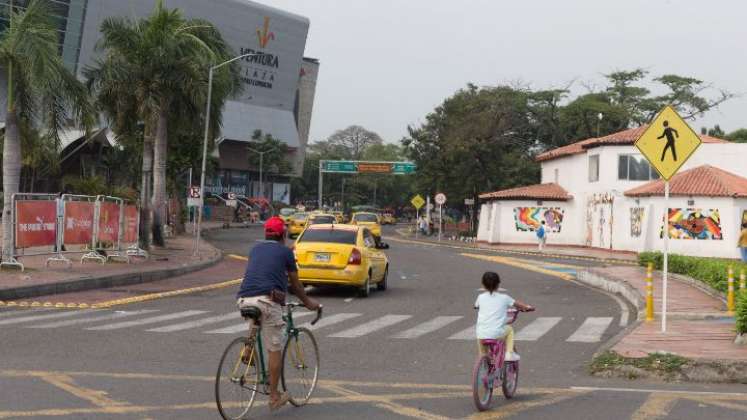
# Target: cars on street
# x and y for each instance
(345, 255)
(297, 224)
(369, 220)
(286, 213)
(388, 219)
(322, 218)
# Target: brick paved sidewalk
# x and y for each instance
(698, 326)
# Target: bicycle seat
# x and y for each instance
(251, 312)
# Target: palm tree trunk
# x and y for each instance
(11, 177)
(146, 222)
(159, 177)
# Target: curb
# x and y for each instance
(102, 282)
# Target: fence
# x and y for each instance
(48, 224)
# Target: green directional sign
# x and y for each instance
(341, 166)
(403, 168)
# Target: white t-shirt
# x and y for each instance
(491, 316)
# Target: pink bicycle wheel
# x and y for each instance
(482, 387)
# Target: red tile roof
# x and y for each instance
(620, 138)
(703, 180)
(550, 191)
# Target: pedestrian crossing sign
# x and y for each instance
(668, 142)
(417, 201)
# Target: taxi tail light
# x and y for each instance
(355, 257)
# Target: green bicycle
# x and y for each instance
(242, 372)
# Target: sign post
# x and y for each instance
(417, 202)
(667, 143)
(440, 200)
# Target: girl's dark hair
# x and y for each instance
(491, 281)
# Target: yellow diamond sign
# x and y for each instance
(417, 201)
(668, 142)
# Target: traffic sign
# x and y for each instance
(403, 168)
(340, 166)
(440, 199)
(668, 142)
(417, 201)
(193, 197)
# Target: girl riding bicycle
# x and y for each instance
(492, 312)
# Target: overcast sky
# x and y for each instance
(387, 63)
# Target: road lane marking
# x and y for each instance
(244, 326)
(67, 384)
(107, 317)
(386, 404)
(9, 314)
(468, 334)
(348, 300)
(591, 330)
(537, 328)
(144, 321)
(331, 320)
(741, 395)
(655, 407)
(372, 326)
(154, 296)
(232, 316)
(43, 317)
(518, 264)
(427, 327)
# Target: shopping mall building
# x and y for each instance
(277, 98)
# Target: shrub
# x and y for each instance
(712, 271)
(741, 312)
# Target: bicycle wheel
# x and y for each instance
(237, 379)
(300, 366)
(510, 379)
(482, 388)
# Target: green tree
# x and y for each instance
(353, 141)
(716, 131)
(40, 91)
(275, 156)
(738, 136)
(157, 67)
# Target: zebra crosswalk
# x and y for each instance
(342, 325)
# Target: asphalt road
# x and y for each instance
(157, 359)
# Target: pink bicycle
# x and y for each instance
(491, 368)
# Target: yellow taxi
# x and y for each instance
(339, 216)
(346, 255)
(388, 219)
(286, 213)
(321, 218)
(369, 220)
(297, 223)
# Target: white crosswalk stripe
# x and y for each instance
(243, 327)
(427, 327)
(151, 320)
(372, 326)
(591, 330)
(198, 323)
(107, 317)
(537, 328)
(468, 334)
(331, 320)
(61, 314)
(7, 314)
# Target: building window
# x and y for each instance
(594, 168)
(635, 168)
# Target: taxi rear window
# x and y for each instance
(335, 236)
(365, 218)
(319, 220)
(287, 211)
(299, 216)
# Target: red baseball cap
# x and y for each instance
(275, 226)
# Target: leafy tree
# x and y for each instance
(40, 90)
(716, 131)
(275, 158)
(353, 141)
(739, 135)
(158, 67)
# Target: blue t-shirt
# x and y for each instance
(268, 268)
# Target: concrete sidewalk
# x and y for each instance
(39, 280)
(698, 326)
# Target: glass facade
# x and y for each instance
(68, 16)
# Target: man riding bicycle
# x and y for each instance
(271, 267)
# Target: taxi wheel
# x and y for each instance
(365, 291)
(381, 285)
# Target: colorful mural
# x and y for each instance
(636, 221)
(694, 224)
(529, 218)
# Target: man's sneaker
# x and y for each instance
(512, 357)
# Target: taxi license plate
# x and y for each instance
(321, 257)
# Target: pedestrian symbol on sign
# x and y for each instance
(670, 140)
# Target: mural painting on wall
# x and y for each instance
(694, 224)
(529, 218)
(636, 221)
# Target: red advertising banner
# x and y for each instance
(35, 223)
(108, 223)
(78, 222)
(130, 224)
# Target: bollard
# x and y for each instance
(742, 277)
(730, 291)
(649, 292)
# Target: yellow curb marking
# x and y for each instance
(516, 263)
(655, 407)
(161, 295)
(238, 257)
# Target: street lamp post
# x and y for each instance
(196, 249)
(261, 162)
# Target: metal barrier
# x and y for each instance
(131, 233)
(107, 225)
(37, 226)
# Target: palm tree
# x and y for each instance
(157, 67)
(41, 92)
